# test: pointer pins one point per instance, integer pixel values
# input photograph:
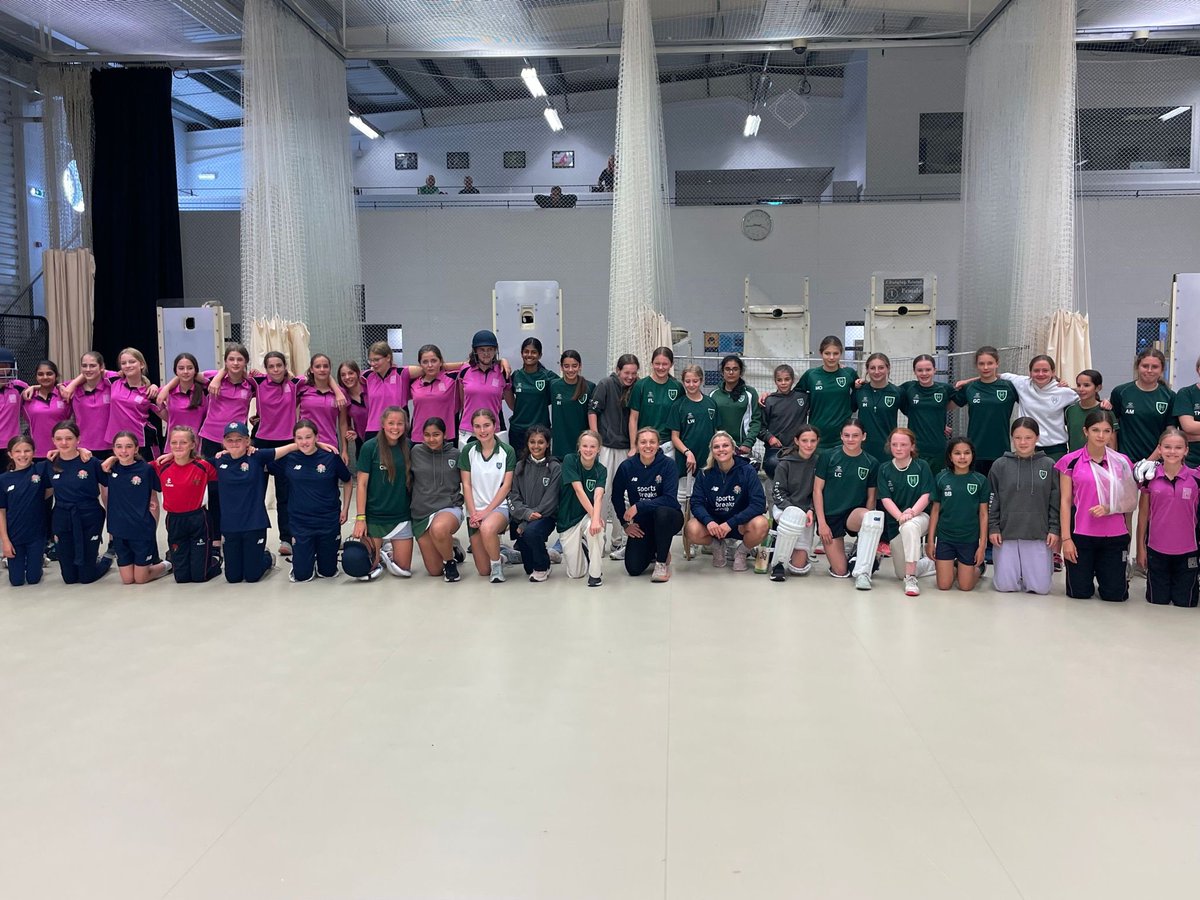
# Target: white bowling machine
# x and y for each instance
(775, 329)
(901, 319)
(525, 309)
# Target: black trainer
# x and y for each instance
(450, 571)
(778, 573)
(595, 581)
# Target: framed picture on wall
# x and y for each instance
(514, 159)
(406, 161)
(458, 159)
(562, 159)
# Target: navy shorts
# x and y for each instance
(134, 553)
(837, 524)
(958, 551)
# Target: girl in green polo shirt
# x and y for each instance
(830, 390)
(570, 397)
(384, 479)
(989, 402)
(1143, 407)
(529, 394)
(877, 404)
(925, 403)
(958, 532)
(651, 400)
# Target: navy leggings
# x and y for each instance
(77, 533)
(26, 566)
(660, 526)
(319, 548)
(246, 556)
(532, 544)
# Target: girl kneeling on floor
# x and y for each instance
(580, 510)
(792, 496)
(844, 503)
(1166, 531)
(1097, 490)
(133, 506)
(534, 501)
(486, 466)
(727, 504)
(313, 475)
(185, 481)
(905, 485)
(384, 480)
(24, 489)
(959, 521)
(437, 500)
(80, 493)
(645, 499)
(1023, 513)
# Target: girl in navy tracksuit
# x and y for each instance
(133, 505)
(317, 514)
(727, 503)
(80, 488)
(23, 492)
(645, 501)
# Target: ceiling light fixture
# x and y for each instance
(552, 118)
(362, 125)
(1177, 111)
(752, 123)
(207, 176)
(529, 76)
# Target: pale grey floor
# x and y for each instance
(719, 736)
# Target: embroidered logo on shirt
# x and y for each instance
(1002, 394)
(971, 489)
(590, 484)
(889, 401)
(36, 479)
(673, 393)
(546, 481)
(863, 472)
(914, 480)
(1161, 406)
(937, 397)
(82, 475)
(841, 380)
(320, 468)
(540, 384)
(245, 467)
(1042, 474)
(135, 480)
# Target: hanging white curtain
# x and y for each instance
(292, 339)
(68, 137)
(1018, 169)
(642, 266)
(69, 277)
(1069, 343)
(300, 258)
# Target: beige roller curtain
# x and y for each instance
(70, 300)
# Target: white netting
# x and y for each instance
(300, 258)
(1018, 167)
(642, 266)
(68, 144)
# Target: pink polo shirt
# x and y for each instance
(436, 398)
(321, 407)
(91, 412)
(10, 410)
(42, 415)
(232, 404)
(1173, 511)
(1084, 496)
(481, 390)
(179, 411)
(128, 410)
(276, 407)
(359, 414)
(390, 390)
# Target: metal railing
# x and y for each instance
(28, 289)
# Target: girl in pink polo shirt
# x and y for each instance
(132, 400)
(349, 376)
(228, 398)
(185, 401)
(434, 394)
(386, 385)
(1166, 531)
(483, 382)
(90, 396)
(11, 401)
(324, 403)
(1096, 490)
(45, 408)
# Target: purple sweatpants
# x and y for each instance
(1022, 566)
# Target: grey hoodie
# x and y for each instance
(1024, 504)
(794, 482)
(535, 488)
(437, 483)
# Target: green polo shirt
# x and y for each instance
(958, 498)
(847, 480)
(830, 401)
(653, 401)
(989, 409)
(568, 415)
(1143, 416)
(570, 510)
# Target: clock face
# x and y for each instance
(756, 224)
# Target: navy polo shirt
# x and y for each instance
(22, 497)
(313, 503)
(242, 483)
(77, 483)
(129, 490)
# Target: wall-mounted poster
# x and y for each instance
(458, 159)
(406, 161)
(514, 159)
(562, 159)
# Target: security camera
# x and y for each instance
(800, 46)
(1141, 37)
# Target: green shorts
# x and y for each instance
(381, 529)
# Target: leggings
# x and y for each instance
(246, 556)
(660, 525)
(282, 521)
(26, 566)
(190, 544)
(77, 532)
(1101, 567)
(315, 549)
(532, 544)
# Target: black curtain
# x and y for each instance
(135, 211)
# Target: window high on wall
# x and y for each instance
(1135, 138)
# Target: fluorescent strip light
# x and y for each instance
(529, 76)
(1177, 111)
(361, 124)
(552, 118)
(207, 176)
(752, 123)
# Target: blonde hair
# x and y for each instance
(720, 434)
(588, 432)
(136, 354)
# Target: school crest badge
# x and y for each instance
(841, 380)
(1042, 474)
(452, 463)
(889, 401)
(245, 467)
(35, 479)
(499, 465)
(937, 397)
(972, 488)
(320, 468)
(863, 472)
(1161, 406)
(590, 485)
(82, 476)
(914, 480)
(1002, 394)
(546, 481)
(136, 480)
(540, 384)
(673, 393)
(712, 413)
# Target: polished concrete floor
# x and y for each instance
(719, 736)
